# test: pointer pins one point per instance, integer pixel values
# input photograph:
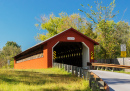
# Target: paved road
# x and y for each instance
(116, 81)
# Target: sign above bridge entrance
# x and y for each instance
(70, 38)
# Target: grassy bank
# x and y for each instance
(121, 71)
(51, 79)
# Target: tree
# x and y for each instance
(105, 29)
(123, 35)
(55, 25)
(9, 50)
(115, 34)
(123, 30)
(107, 40)
(128, 47)
(0, 51)
(11, 43)
(101, 13)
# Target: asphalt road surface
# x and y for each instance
(115, 81)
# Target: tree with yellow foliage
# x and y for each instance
(55, 25)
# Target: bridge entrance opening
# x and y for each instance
(72, 53)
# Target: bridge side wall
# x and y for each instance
(37, 63)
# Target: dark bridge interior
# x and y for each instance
(68, 53)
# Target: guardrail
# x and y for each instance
(108, 65)
(95, 83)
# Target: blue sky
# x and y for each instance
(17, 17)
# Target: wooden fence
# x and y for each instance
(95, 83)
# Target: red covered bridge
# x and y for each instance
(68, 47)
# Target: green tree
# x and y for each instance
(11, 43)
(128, 47)
(101, 12)
(55, 25)
(105, 29)
(8, 51)
(107, 40)
(123, 35)
(115, 34)
(123, 30)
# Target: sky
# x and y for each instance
(18, 17)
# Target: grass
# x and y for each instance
(52, 79)
(121, 71)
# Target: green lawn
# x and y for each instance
(52, 79)
(121, 71)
